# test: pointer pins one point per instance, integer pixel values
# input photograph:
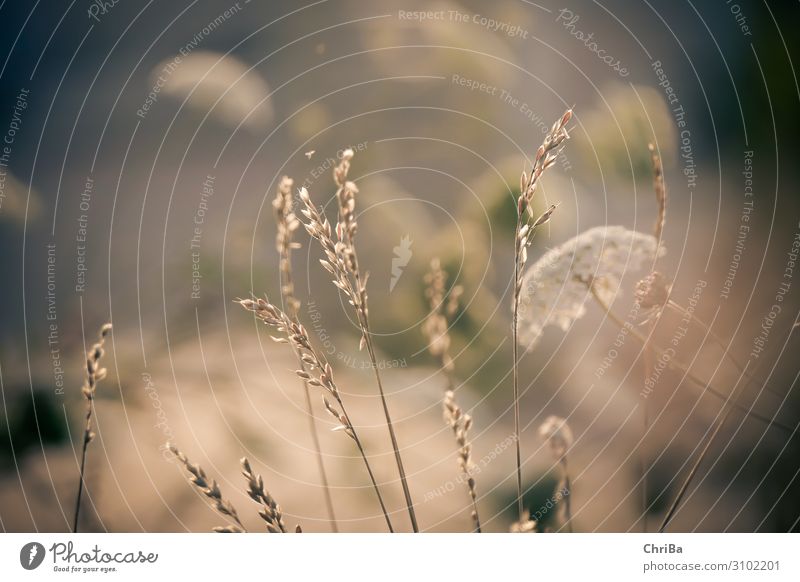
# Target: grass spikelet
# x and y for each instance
(443, 305)
(270, 511)
(460, 423)
(287, 223)
(210, 489)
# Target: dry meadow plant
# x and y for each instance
(318, 373)
(270, 511)
(342, 263)
(443, 305)
(545, 157)
(714, 432)
(683, 369)
(210, 489)
(553, 291)
(654, 291)
(287, 223)
(460, 423)
(691, 316)
(651, 293)
(94, 374)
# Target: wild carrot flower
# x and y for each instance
(554, 290)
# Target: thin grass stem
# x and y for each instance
(94, 373)
(545, 157)
(287, 223)
(683, 369)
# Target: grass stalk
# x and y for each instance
(677, 308)
(545, 158)
(660, 190)
(210, 489)
(342, 262)
(460, 423)
(683, 369)
(287, 223)
(568, 496)
(704, 453)
(444, 304)
(94, 373)
(317, 372)
(270, 511)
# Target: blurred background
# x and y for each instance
(143, 143)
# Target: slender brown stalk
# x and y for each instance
(660, 189)
(682, 368)
(709, 442)
(705, 327)
(643, 464)
(679, 497)
(211, 490)
(287, 224)
(568, 497)
(94, 373)
(342, 263)
(546, 156)
(652, 293)
(318, 374)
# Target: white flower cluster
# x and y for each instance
(554, 290)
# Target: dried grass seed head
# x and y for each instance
(94, 373)
(545, 157)
(270, 511)
(652, 292)
(558, 435)
(660, 188)
(443, 305)
(460, 423)
(319, 372)
(287, 223)
(209, 488)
